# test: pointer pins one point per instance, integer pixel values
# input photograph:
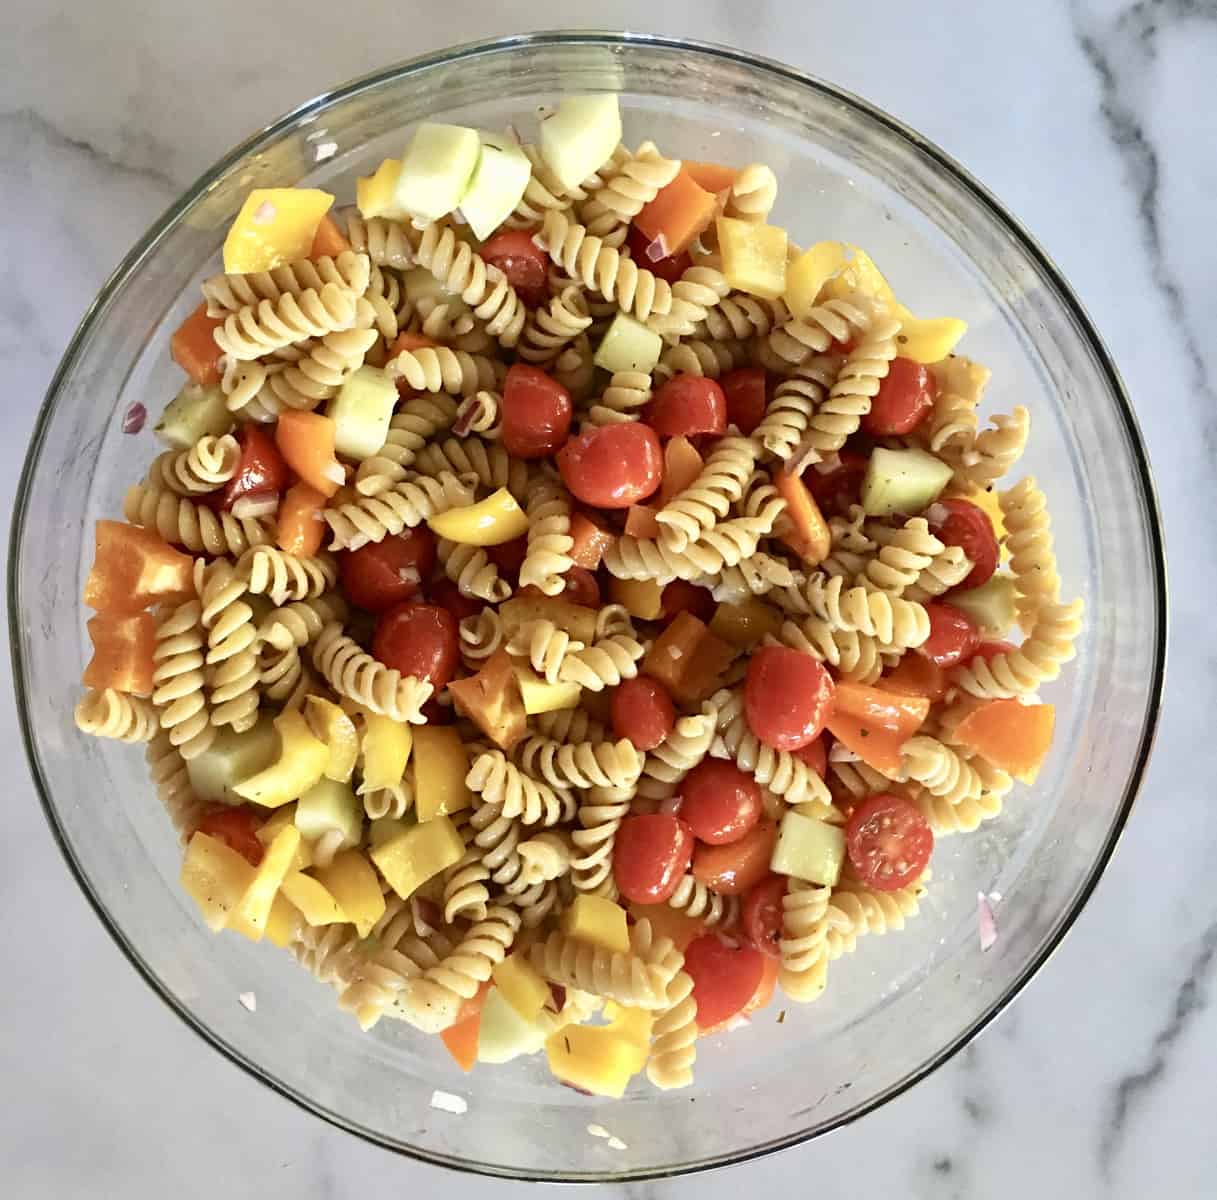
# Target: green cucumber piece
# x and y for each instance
(232, 758)
(195, 412)
(809, 849)
(902, 481)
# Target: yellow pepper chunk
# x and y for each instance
(374, 194)
(643, 598)
(215, 877)
(313, 899)
(253, 912)
(301, 764)
(633, 1024)
(386, 750)
(521, 985)
(542, 697)
(275, 226)
(285, 923)
(746, 623)
(489, 522)
(754, 257)
(408, 860)
(337, 731)
(598, 921)
(353, 883)
(440, 766)
(576, 619)
(595, 1058)
(810, 272)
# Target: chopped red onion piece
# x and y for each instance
(671, 806)
(261, 505)
(658, 249)
(134, 418)
(458, 217)
(936, 514)
(336, 472)
(986, 921)
(409, 575)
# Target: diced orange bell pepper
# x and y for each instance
(591, 541)
(1015, 737)
(899, 713)
(461, 1038)
(876, 746)
(678, 213)
(807, 534)
(681, 466)
(301, 527)
(714, 177)
(306, 441)
(688, 659)
(122, 652)
(409, 341)
(916, 675)
(194, 348)
(640, 522)
(491, 699)
(329, 241)
(132, 568)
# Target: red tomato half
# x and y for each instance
(579, 586)
(651, 856)
(447, 595)
(953, 635)
(815, 755)
(788, 696)
(888, 841)
(967, 526)
(746, 400)
(669, 269)
(642, 712)
(261, 470)
(536, 412)
(613, 466)
(382, 574)
(721, 803)
(834, 491)
(904, 400)
(682, 596)
(420, 640)
(689, 405)
(724, 977)
(524, 263)
(509, 556)
(237, 828)
(734, 868)
(761, 914)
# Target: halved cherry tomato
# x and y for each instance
(261, 470)
(888, 841)
(536, 412)
(953, 635)
(643, 712)
(447, 595)
(237, 828)
(815, 755)
(990, 650)
(682, 596)
(687, 404)
(788, 696)
(382, 574)
(744, 389)
(509, 556)
(613, 466)
(523, 262)
(579, 586)
(834, 491)
(766, 986)
(967, 526)
(670, 268)
(916, 676)
(725, 977)
(651, 856)
(732, 869)
(905, 398)
(761, 913)
(721, 803)
(420, 640)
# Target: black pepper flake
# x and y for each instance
(782, 1017)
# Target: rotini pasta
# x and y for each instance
(182, 522)
(441, 369)
(230, 293)
(693, 512)
(549, 329)
(1024, 510)
(516, 793)
(111, 714)
(283, 577)
(582, 764)
(489, 462)
(209, 464)
(674, 1037)
(359, 677)
(419, 420)
(253, 331)
(547, 558)
(472, 571)
(178, 683)
(1037, 661)
(403, 506)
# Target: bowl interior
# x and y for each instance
(892, 1010)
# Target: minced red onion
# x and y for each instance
(842, 753)
(335, 472)
(671, 806)
(986, 922)
(657, 249)
(134, 418)
(409, 575)
(458, 217)
(936, 514)
(261, 505)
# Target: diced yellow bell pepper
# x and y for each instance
(810, 272)
(595, 1058)
(275, 226)
(754, 257)
(374, 194)
(575, 619)
(353, 883)
(337, 731)
(313, 899)
(440, 765)
(643, 598)
(746, 623)
(215, 877)
(598, 921)
(386, 750)
(542, 697)
(413, 857)
(285, 923)
(253, 912)
(303, 858)
(521, 985)
(489, 522)
(633, 1024)
(301, 763)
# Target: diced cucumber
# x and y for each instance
(421, 285)
(902, 481)
(436, 169)
(498, 183)
(195, 412)
(580, 136)
(809, 849)
(991, 606)
(231, 758)
(503, 1034)
(330, 805)
(361, 412)
(628, 345)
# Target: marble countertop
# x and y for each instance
(1089, 120)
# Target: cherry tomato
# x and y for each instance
(382, 574)
(888, 841)
(689, 405)
(524, 263)
(721, 802)
(967, 526)
(761, 914)
(261, 470)
(905, 398)
(536, 412)
(613, 466)
(834, 491)
(736, 867)
(509, 556)
(651, 856)
(670, 268)
(579, 586)
(815, 755)
(237, 828)
(682, 596)
(643, 712)
(788, 696)
(725, 977)
(953, 635)
(990, 650)
(420, 640)
(744, 389)
(447, 595)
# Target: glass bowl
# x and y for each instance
(895, 1009)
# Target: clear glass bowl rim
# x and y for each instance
(958, 177)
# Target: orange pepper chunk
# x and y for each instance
(876, 746)
(714, 177)
(329, 240)
(640, 522)
(591, 540)
(688, 659)
(896, 712)
(122, 652)
(306, 441)
(132, 568)
(808, 534)
(916, 675)
(1015, 737)
(682, 464)
(194, 348)
(678, 213)
(301, 527)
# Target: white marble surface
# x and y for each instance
(1095, 123)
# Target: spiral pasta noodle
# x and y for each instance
(741, 316)
(1024, 511)
(233, 670)
(318, 375)
(996, 449)
(698, 901)
(270, 572)
(970, 813)
(547, 558)
(601, 811)
(171, 781)
(545, 857)
(441, 369)
(1019, 672)
(674, 1037)
(549, 329)
(753, 193)
(807, 921)
(465, 891)
(472, 571)
(209, 464)
(729, 545)
(182, 522)
(253, 331)
(833, 321)
(111, 714)
(419, 420)
(855, 655)
(301, 622)
(875, 912)
(603, 664)
(489, 462)
(386, 243)
(903, 555)
(751, 576)
(696, 356)
(940, 770)
(795, 401)
(628, 190)
(178, 684)
(403, 506)
(581, 764)
(480, 636)
(960, 385)
(393, 801)
(667, 765)
(626, 394)
(628, 978)
(894, 621)
(516, 793)
(570, 725)
(245, 389)
(359, 677)
(694, 511)
(699, 291)
(230, 293)
(575, 368)
(481, 413)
